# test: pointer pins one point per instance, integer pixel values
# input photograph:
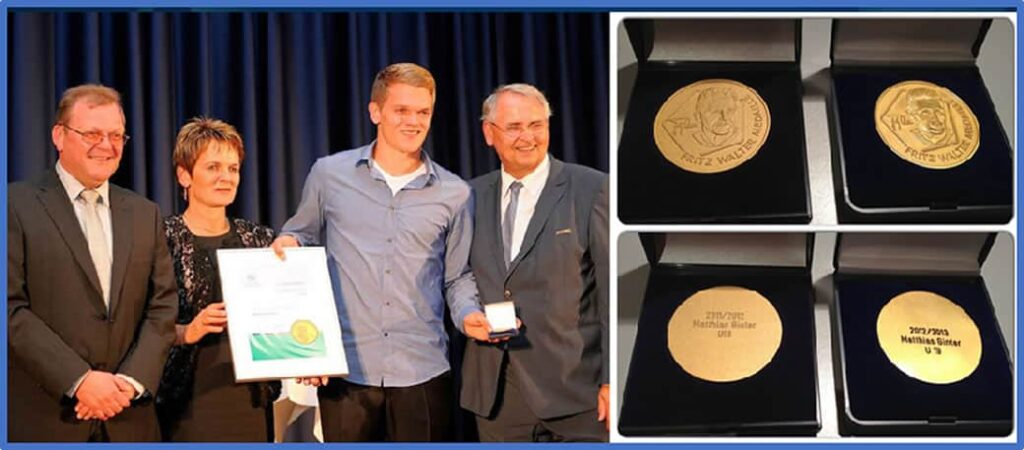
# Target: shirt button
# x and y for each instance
(387, 271)
(385, 334)
(508, 293)
(389, 240)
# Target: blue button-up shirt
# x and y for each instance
(394, 260)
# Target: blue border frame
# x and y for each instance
(519, 5)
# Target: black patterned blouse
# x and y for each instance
(198, 283)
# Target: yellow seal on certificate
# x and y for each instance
(926, 124)
(304, 332)
(928, 337)
(712, 126)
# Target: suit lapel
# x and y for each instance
(122, 231)
(54, 199)
(490, 206)
(553, 192)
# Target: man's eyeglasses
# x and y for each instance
(516, 130)
(96, 137)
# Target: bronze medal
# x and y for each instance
(926, 124)
(724, 334)
(929, 338)
(712, 126)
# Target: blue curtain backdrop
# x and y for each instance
(296, 85)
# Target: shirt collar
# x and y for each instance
(74, 188)
(366, 158)
(533, 182)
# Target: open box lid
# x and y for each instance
(907, 41)
(729, 249)
(714, 40)
(916, 253)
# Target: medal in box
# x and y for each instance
(915, 136)
(917, 345)
(714, 129)
(725, 340)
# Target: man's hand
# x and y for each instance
(477, 327)
(127, 388)
(100, 396)
(604, 407)
(283, 242)
(84, 413)
(212, 319)
(313, 381)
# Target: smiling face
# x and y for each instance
(518, 131)
(403, 119)
(928, 115)
(90, 164)
(215, 175)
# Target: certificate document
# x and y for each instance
(282, 321)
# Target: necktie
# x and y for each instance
(97, 239)
(509, 221)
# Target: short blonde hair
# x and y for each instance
(403, 73)
(196, 136)
(523, 89)
(92, 94)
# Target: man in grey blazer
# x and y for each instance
(541, 240)
(91, 296)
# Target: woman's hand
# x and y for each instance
(211, 319)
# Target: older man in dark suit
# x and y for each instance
(540, 240)
(90, 288)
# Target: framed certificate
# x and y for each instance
(282, 321)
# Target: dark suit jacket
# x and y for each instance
(58, 327)
(559, 282)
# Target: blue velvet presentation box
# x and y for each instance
(662, 399)
(763, 54)
(876, 398)
(873, 184)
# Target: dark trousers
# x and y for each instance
(98, 432)
(513, 421)
(352, 412)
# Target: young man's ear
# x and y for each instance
(375, 113)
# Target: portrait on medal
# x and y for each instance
(711, 126)
(926, 124)
(920, 118)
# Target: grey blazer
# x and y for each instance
(58, 326)
(559, 282)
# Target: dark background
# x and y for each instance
(296, 86)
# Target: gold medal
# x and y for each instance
(712, 126)
(725, 333)
(929, 337)
(304, 332)
(926, 124)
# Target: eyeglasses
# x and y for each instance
(96, 137)
(516, 131)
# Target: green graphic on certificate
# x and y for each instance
(285, 346)
(284, 322)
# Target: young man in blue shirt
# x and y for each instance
(397, 228)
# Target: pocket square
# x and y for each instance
(563, 231)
